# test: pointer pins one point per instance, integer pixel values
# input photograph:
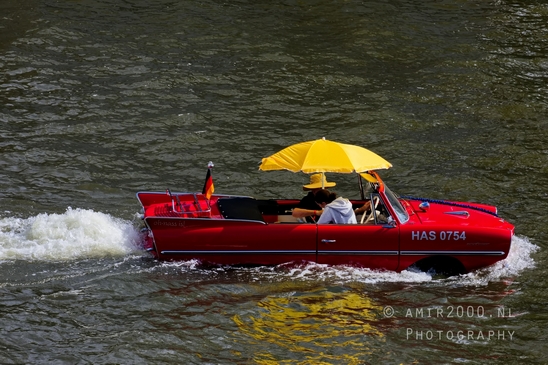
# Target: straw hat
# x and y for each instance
(316, 182)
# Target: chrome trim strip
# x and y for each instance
(461, 253)
(361, 253)
(241, 252)
(463, 213)
(334, 252)
(183, 219)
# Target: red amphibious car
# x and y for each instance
(448, 237)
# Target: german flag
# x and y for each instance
(208, 185)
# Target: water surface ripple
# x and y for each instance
(101, 99)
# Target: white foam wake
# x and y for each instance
(75, 234)
(519, 259)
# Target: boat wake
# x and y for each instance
(75, 234)
(519, 259)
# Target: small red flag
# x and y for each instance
(208, 186)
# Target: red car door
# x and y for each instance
(374, 245)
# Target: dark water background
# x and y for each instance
(101, 99)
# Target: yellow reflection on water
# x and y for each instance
(312, 328)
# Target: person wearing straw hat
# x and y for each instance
(308, 208)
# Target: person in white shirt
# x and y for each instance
(335, 210)
(308, 208)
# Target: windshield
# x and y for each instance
(396, 205)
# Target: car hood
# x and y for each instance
(457, 213)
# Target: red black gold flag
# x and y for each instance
(208, 186)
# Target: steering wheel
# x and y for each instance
(375, 204)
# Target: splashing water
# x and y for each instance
(519, 259)
(75, 234)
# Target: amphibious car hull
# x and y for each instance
(235, 230)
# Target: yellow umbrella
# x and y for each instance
(322, 155)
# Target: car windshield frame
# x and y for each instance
(400, 211)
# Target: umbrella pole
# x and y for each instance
(360, 182)
(323, 177)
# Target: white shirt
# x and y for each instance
(339, 211)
